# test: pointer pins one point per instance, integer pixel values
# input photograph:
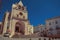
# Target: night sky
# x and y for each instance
(38, 10)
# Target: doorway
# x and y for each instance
(16, 29)
(19, 28)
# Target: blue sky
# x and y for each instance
(38, 10)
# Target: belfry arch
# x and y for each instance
(19, 28)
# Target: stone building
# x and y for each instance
(53, 26)
(16, 21)
(39, 28)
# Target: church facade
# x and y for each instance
(16, 21)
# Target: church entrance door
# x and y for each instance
(19, 28)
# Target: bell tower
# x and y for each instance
(18, 20)
(19, 11)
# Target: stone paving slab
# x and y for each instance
(41, 38)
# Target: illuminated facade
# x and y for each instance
(16, 21)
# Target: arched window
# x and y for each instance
(22, 8)
(19, 7)
(21, 13)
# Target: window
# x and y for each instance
(23, 16)
(21, 13)
(57, 27)
(8, 25)
(56, 22)
(19, 7)
(17, 15)
(49, 23)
